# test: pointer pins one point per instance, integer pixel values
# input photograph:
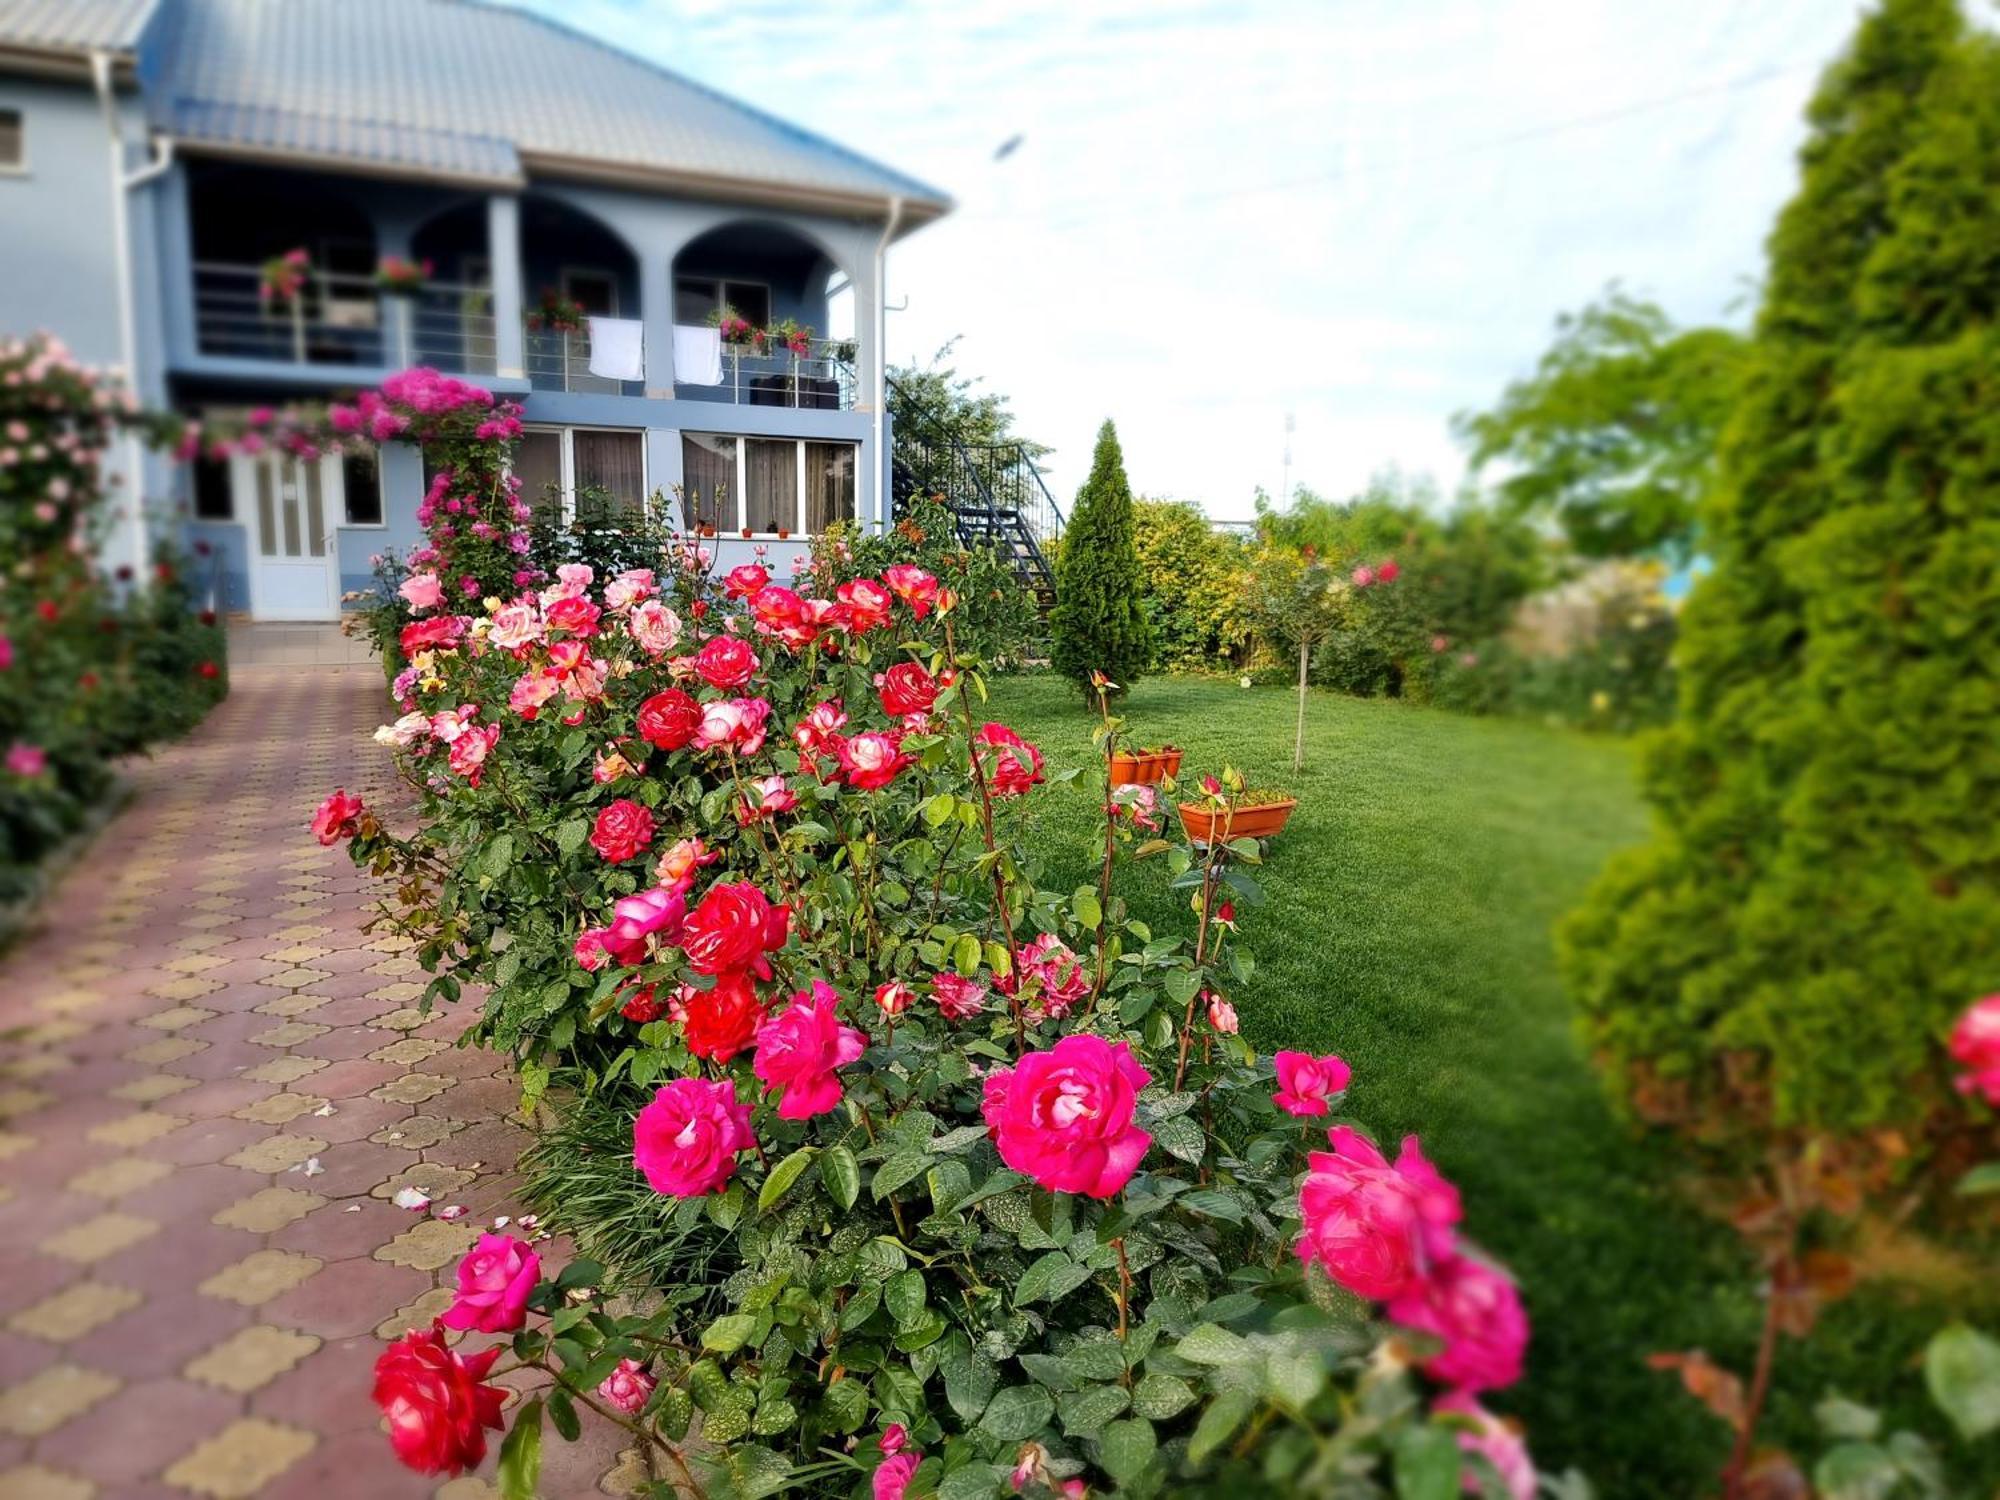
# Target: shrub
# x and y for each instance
(1817, 902)
(1193, 582)
(1098, 623)
(952, 1184)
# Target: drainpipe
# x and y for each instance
(882, 486)
(101, 75)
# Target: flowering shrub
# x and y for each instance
(556, 313)
(90, 667)
(402, 277)
(973, 1185)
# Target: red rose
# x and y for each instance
(46, 608)
(906, 688)
(780, 612)
(208, 669)
(207, 617)
(742, 582)
(577, 616)
(623, 830)
(913, 586)
(725, 661)
(868, 604)
(721, 1022)
(438, 630)
(1387, 571)
(339, 817)
(1012, 764)
(733, 928)
(641, 1003)
(870, 761)
(438, 1404)
(668, 720)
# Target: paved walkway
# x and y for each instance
(212, 1082)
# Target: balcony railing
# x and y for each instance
(823, 380)
(343, 319)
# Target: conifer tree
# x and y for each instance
(1098, 623)
(1823, 890)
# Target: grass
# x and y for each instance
(1407, 928)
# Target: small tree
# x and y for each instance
(1099, 622)
(1297, 602)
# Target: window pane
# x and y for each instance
(829, 484)
(708, 480)
(538, 465)
(212, 501)
(315, 511)
(770, 484)
(694, 300)
(750, 299)
(361, 481)
(610, 470)
(594, 291)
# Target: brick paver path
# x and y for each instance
(212, 1082)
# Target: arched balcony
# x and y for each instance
(767, 291)
(573, 267)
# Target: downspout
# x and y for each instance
(102, 64)
(882, 485)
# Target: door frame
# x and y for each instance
(333, 512)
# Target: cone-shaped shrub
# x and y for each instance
(1823, 893)
(1098, 623)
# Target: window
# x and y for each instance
(697, 298)
(582, 473)
(361, 484)
(213, 500)
(13, 141)
(766, 485)
(596, 292)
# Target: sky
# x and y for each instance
(1364, 213)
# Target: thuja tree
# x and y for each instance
(965, 1186)
(1099, 623)
(1821, 896)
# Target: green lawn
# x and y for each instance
(1408, 929)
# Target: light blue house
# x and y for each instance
(156, 154)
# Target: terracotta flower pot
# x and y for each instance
(1170, 760)
(708, 531)
(1128, 769)
(1236, 823)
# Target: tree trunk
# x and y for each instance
(1299, 740)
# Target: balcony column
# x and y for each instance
(656, 312)
(392, 237)
(503, 253)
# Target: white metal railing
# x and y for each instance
(339, 318)
(823, 379)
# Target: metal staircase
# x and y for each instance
(994, 490)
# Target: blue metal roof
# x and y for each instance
(449, 89)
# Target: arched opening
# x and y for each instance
(325, 309)
(774, 293)
(574, 267)
(451, 318)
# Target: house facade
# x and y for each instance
(581, 221)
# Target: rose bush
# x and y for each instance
(967, 1186)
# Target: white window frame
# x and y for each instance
(742, 440)
(19, 168)
(566, 462)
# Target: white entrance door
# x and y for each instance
(292, 506)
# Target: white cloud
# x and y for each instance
(1367, 212)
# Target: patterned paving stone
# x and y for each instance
(34, 1482)
(96, 1238)
(430, 1244)
(418, 1132)
(155, 1054)
(135, 1130)
(412, 1088)
(285, 1069)
(75, 1311)
(276, 1153)
(410, 1050)
(270, 1210)
(181, 1016)
(45, 1401)
(241, 1459)
(280, 1109)
(260, 1276)
(251, 1359)
(152, 1088)
(116, 1178)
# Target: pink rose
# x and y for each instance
(869, 762)
(656, 628)
(1499, 1443)
(737, 724)
(422, 591)
(894, 997)
(687, 1139)
(958, 998)
(494, 1281)
(627, 1388)
(629, 587)
(1012, 765)
(742, 582)
(639, 918)
(339, 817)
(799, 1050)
(915, 587)
(772, 796)
(1057, 972)
(1363, 576)
(725, 662)
(867, 604)
(1064, 1116)
(515, 625)
(1222, 1015)
(895, 1438)
(1975, 1042)
(1305, 1082)
(1476, 1310)
(893, 1477)
(1374, 1227)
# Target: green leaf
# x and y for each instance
(570, 835)
(499, 855)
(1984, 1178)
(1428, 1464)
(729, 1332)
(975, 1481)
(905, 1297)
(1962, 1368)
(1017, 1413)
(1182, 1137)
(1085, 1413)
(1219, 1423)
(965, 954)
(1842, 1418)
(842, 1176)
(783, 1175)
(969, 1382)
(1126, 1448)
(521, 1454)
(1088, 910)
(1161, 1396)
(1212, 1203)
(1206, 1344)
(1856, 1471)
(939, 809)
(899, 1171)
(562, 1412)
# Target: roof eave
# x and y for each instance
(350, 166)
(918, 208)
(68, 63)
